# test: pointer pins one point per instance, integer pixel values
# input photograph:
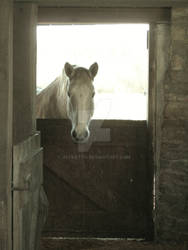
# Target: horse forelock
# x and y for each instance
(80, 73)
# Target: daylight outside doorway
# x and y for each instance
(121, 53)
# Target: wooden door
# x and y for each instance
(99, 189)
(29, 201)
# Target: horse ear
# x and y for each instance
(68, 69)
(93, 69)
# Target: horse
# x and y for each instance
(70, 96)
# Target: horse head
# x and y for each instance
(80, 104)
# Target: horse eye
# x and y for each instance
(93, 94)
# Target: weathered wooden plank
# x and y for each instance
(87, 198)
(25, 21)
(102, 15)
(6, 89)
(95, 171)
(97, 123)
(27, 190)
(109, 3)
(105, 184)
(102, 131)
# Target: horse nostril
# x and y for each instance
(86, 133)
(74, 134)
(80, 137)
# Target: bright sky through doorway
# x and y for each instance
(119, 49)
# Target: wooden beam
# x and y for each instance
(102, 15)
(25, 21)
(109, 3)
(6, 91)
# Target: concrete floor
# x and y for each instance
(99, 244)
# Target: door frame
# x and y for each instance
(152, 16)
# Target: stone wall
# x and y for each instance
(171, 218)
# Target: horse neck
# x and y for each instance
(61, 94)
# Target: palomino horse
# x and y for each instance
(70, 96)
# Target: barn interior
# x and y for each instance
(133, 193)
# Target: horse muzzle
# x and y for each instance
(80, 137)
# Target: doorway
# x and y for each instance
(121, 84)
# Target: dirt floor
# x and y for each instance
(101, 244)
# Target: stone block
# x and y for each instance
(173, 97)
(178, 32)
(178, 62)
(179, 12)
(176, 91)
(171, 151)
(176, 167)
(176, 110)
(179, 77)
(175, 135)
(180, 20)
